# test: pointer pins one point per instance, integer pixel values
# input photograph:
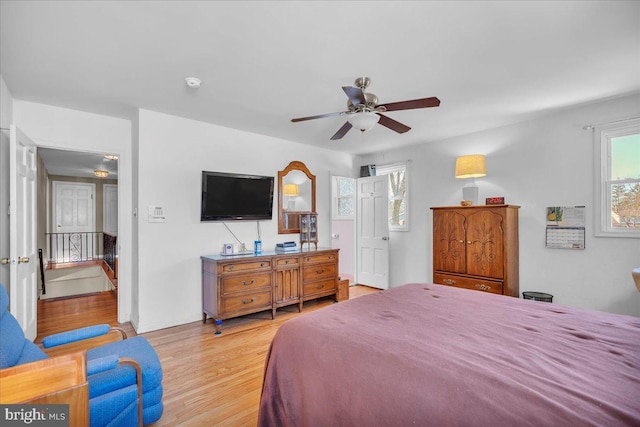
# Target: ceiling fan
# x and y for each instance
(363, 110)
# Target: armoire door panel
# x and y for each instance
(449, 241)
(485, 244)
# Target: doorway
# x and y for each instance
(343, 190)
(359, 228)
(75, 187)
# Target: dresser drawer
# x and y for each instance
(287, 262)
(317, 287)
(314, 273)
(255, 301)
(468, 283)
(318, 258)
(245, 282)
(245, 266)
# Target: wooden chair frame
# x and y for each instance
(62, 378)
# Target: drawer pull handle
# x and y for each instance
(230, 267)
(320, 286)
(244, 301)
(482, 287)
(320, 271)
(449, 282)
(308, 258)
(248, 284)
(262, 264)
(286, 261)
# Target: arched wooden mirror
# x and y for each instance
(296, 194)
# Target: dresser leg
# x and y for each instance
(204, 317)
(273, 313)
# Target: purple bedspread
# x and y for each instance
(424, 354)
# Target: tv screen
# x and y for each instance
(230, 196)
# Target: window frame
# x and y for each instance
(603, 136)
(385, 170)
(334, 198)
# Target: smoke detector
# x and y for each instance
(193, 82)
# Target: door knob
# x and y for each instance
(5, 261)
(23, 260)
(385, 238)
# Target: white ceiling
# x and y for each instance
(76, 163)
(262, 63)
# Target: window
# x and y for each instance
(344, 196)
(398, 185)
(618, 185)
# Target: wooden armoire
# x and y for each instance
(476, 247)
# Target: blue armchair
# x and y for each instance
(124, 377)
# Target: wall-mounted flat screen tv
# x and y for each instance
(236, 197)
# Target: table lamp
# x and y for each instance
(291, 191)
(471, 166)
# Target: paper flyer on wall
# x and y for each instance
(565, 227)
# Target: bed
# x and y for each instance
(424, 354)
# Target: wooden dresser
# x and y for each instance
(476, 247)
(233, 286)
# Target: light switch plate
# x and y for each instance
(156, 213)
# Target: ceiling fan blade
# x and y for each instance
(355, 94)
(392, 124)
(342, 131)
(319, 116)
(411, 105)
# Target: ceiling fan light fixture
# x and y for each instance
(363, 110)
(364, 121)
(101, 173)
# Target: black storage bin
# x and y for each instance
(538, 296)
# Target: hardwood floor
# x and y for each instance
(60, 315)
(208, 379)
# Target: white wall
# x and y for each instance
(173, 152)
(345, 229)
(6, 120)
(61, 128)
(534, 164)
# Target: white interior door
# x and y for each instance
(22, 236)
(372, 224)
(73, 217)
(5, 136)
(74, 207)
(110, 208)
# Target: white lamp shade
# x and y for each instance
(471, 166)
(364, 121)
